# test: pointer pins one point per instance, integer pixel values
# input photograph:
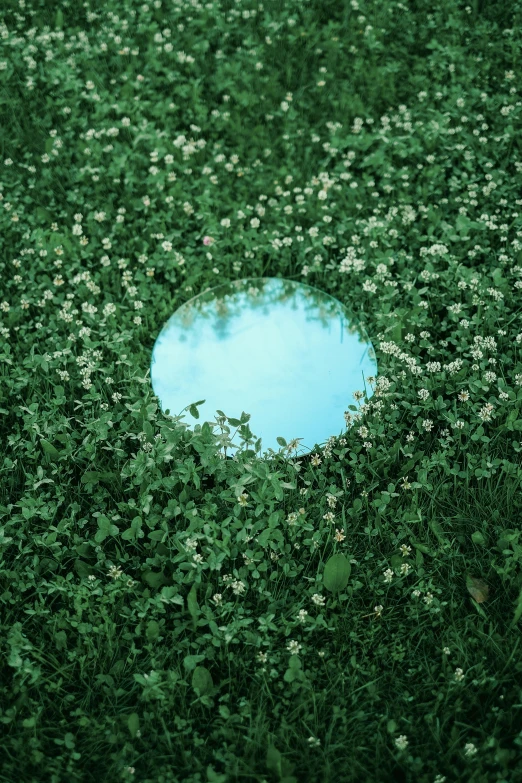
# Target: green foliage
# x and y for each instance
(202, 680)
(336, 573)
(171, 616)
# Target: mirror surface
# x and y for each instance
(282, 351)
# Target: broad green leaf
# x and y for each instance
(422, 548)
(191, 661)
(147, 429)
(133, 531)
(103, 521)
(336, 573)
(129, 534)
(294, 662)
(192, 604)
(202, 680)
(215, 777)
(82, 569)
(104, 529)
(49, 449)
(294, 669)
(170, 593)
(263, 538)
(154, 578)
(478, 538)
(133, 723)
(273, 760)
(193, 408)
(156, 535)
(153, 630)
(506, 537)
(94, 476)
(289, 675)
(100, 536)
(276, 486)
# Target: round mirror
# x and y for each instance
(283, 352)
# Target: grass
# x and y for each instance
(351, 615)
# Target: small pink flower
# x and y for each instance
(207, 240)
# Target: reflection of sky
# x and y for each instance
(292, 373)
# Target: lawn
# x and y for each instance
(351, 614)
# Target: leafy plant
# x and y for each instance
(352, 614)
